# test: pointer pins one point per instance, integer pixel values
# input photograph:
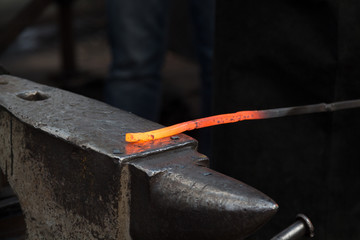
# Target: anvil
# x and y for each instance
(66, 158)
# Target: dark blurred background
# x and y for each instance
(36, 54)
(271, 54)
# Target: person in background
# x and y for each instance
(138, 40)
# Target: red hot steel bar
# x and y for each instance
(239, 116)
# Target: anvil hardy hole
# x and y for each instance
(3, 82)
(33, 96)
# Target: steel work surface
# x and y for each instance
(76, 178)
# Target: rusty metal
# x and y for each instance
(66, 158)
(298, 230)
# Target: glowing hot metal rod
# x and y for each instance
(239, 116)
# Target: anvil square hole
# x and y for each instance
(33, 95)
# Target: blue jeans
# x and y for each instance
(137, 34)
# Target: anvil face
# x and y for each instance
(66, 158)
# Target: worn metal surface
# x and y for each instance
(300, 229)
(66, 158)
(185, 200)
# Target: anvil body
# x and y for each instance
(66, 158)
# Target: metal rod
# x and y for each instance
(306, 109)
(298, 230)
(239, 116)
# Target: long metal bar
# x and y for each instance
(239, 116)
(307, 109)
(298, 230)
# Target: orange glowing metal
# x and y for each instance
(239, 116)
(194, 124)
